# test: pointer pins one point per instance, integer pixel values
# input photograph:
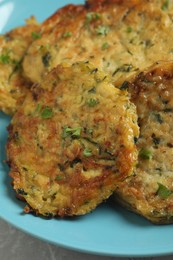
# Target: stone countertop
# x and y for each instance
(17, 245)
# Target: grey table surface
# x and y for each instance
(17, 245)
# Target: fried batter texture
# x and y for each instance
(13, 45)
(14, 86)
(71, 142)
(119, 37)
(150, 191)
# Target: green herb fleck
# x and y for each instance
(129, 29)
(135, 139)
(73, 132)
(67, 34)
(124, 68)
(38, 108)
(124, 86)
(92, 102)
(92, 16)
(158, 117)
(145, 154)
(46, 59)
(59, 178)
(105, 46)
(5, 58)
(165, 5)
(87, 152)
(21, 191)
(156, 140)
(103, 30)
(148, 43)
(90, 130)
(168, 110)
(163, 191)
(92, 90)
(36, 35)
(47, 112)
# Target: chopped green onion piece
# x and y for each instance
(145, 154)
(47, 113)
(163, 191)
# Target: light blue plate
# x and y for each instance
(109, 230)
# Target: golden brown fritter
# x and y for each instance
(71, 141)
(150, 191)
(13, 45)
(118, 36)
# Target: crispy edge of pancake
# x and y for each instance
(78, 191)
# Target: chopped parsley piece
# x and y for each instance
(105, 46)
(46, 59)
(73, 132)
(38, 108)
(165, 5)
(156, 140)
(47, 112)
(5, 58)
(124, 68)
(163, 191)
(148, 43)
(129, 29)
(21, 191)
(59, 178)
(103, 30)
(158, 118)
(168, 110)
(92, 102)
(124, 86)
(87, 152)
(67, 34)
(90, 130)
(35, 35)
(92, 16)
(145, 154)
(92, 90)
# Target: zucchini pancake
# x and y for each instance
(14, 86)
(150, 191)
(71, 142)
(119, 37)
(13, 45)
